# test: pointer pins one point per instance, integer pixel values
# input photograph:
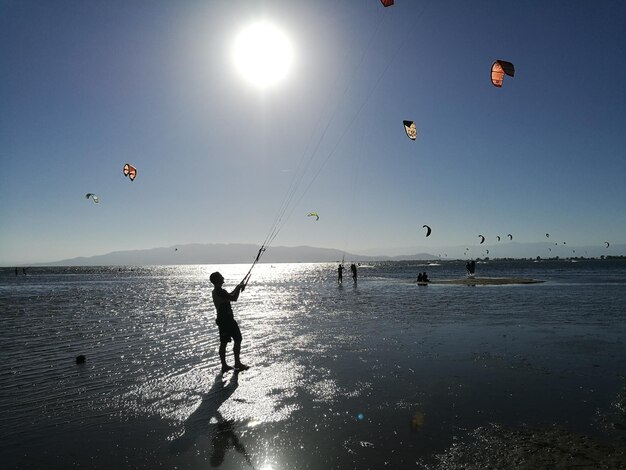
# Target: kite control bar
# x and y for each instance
(247, 276)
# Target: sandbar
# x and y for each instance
(484, 281)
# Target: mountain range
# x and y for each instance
(234, 253)
(231, 253)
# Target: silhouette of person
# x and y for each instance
(471, 268)
(199, 423)
(340, 274)
(228, 327)
(353, 269)
(419, 277)
(223, 440)
(425, 277)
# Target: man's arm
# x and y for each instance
(235, 293)
(232, 296)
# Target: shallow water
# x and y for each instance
(383, 372)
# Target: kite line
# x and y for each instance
(288, 206)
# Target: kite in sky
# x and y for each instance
(510, 236)
(607, 244)
(498, 69)
(313, 214)
(130, 171)
(386, 3)
(93, 197)
(410, 129)
(428, 230)
(482, 239)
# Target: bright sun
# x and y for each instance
(263, 54)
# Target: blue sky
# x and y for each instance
(87, 86)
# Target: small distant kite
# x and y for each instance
(510, 236)
(547, 235)
(428, 230)
(498, 237)
(93, 197)
(410, 129)
(130, 171)
(482, 239)
(386, 3)
(607, 244)
(498, 69)
(314, 214)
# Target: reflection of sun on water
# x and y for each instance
(263, 54)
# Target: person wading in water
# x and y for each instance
(228, 327)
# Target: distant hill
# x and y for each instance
(245, 253)
(224, 254)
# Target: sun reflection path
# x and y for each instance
(264, 394)
(268, 394)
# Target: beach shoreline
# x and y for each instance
(486, 281)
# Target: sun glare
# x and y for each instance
(263, 54)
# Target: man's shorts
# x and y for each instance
(229, 330)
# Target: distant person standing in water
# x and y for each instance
(353, 269)
(228, 327)
(340, 274)
(471, 268)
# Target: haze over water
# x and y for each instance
(383, 372)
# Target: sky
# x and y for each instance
(87, 86)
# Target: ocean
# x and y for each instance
(382, 373)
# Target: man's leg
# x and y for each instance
(225, 366)
(236, 350)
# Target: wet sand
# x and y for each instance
(497, 447)
(438, 397)
(383, 374)
(486, 281)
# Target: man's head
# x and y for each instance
(216, 279)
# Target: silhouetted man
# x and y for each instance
(228, 327)
(340, 274)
